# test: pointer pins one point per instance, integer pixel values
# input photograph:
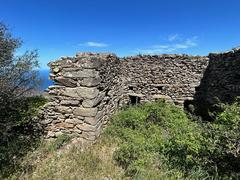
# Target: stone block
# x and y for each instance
(74, 121)
(86, 112)
(159, 96)
(88, 127)
(87, 92)
(69, 102)
(94, 63)
(81, 92)
(64, 125)
(90, 82)
(70, 92)
(93, 102)
(85, 73)
(94, 120)
(90, 136)
(66, 81)
(63, 109)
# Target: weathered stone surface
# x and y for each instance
(77, 130)
(84, 92)
(74, 121)
(136, 95)
(159, 96)
(70, 92)
(70, 102)
(64, 125)
(87, 127)
(95, 91)
(90, 136)
(63, 109)
(66, 81)
(47, 121)
(92, 63)
(85, 73)
(90, 82)
(87, 92)
(86, 112)
(88, 103)
(94, 120)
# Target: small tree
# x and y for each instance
(18, 76)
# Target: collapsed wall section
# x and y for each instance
(81, 96)
(171, 77)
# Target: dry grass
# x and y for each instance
(94, 162)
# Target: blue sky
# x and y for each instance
(125, 27)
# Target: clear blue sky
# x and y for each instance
(126, 27)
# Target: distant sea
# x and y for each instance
(44, 75)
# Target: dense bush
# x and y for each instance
(159, 137)
(18, 78)
(23, 134)
(153, 133)
(223, 135)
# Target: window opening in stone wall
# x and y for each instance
(130, 87)
(134, 100)
(160, 88)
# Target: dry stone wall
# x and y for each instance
(78, 99)
(170, 77)
(90, 87)
(220, 82)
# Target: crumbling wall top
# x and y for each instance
(232, 53)
(82, 60)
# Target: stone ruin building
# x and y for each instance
(90, 87)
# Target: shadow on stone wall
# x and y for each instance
(220, 83)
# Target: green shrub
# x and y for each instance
(21, 134)
(159, 137)
(156, 131)
(224, 140)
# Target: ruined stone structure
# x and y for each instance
(220, 83)
(90, 87)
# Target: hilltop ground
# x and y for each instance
(151, 141)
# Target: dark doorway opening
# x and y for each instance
(189, 106)
(134, 100)
(130, 87)
(160, 88)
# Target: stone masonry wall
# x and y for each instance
(220, 82)
(90, 87)
(170, 77)
(78, 99)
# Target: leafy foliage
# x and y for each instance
(159, 137)
(18, 77)
(23, 136)
(156, 132)
(150, 141)
(224, 140)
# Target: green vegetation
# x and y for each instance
(160, 138)
(23, 134)
(150, 141)
(18, 107)
(18, 79)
